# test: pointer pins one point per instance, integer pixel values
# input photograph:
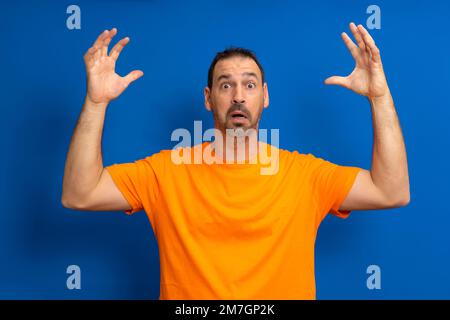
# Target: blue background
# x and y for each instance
(173, 42)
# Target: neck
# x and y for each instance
(237, 146)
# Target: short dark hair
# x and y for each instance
(232, 52)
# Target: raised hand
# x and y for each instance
(368, 77)
(103, 83)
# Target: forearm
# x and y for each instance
(84, 163)
(389, 160)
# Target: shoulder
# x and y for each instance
(304, 159)
(156, 161)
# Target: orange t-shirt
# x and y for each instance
(225, 231)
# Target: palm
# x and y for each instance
(367, 78)
(104, 84)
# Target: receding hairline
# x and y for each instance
(233, 52)
(226, 75)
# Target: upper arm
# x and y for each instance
(365, 195)
(106, 196)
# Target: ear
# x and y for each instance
(207, 94)
(266, 95)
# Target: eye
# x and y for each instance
(251, 85)
(225, 85)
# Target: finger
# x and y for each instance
(107, 40)
(370, 43)
(100, 38)
(102, 42)
(357, 35)
(337, 80)
(89, 55)
(93, 53)
(97, 53)
(350, 45)
(115, 51)
(133, 76)
(369, 52)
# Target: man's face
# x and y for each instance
(237, 96)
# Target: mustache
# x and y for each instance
(239, 107)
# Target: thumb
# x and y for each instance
(133, 76)
(340, 81)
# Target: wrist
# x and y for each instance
(380, 99)
(100, 106)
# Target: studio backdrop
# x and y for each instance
(401, 253)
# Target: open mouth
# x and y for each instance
(238, 115)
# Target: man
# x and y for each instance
(224, 230)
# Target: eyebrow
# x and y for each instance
(228, 76)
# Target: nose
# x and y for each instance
(238, 96)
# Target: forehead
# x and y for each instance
(235, 66)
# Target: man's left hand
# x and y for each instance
(368, 77)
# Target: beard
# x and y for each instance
(237, 116)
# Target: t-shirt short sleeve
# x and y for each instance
(331, 184)
(138, 181)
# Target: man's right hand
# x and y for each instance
(103, 83)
